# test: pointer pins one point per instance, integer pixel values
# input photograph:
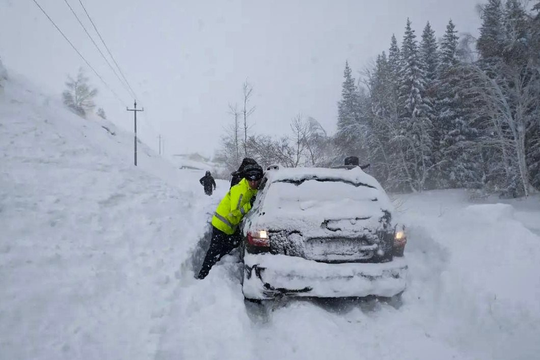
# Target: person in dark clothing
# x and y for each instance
(238, 175)
(226, 234)
(208, 182)
(220, 245)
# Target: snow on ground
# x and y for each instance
(97, 259)
(89, 244)
(483, 290)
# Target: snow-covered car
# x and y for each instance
(318, 232)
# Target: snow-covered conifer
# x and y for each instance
(458, 155)
(101, 113)
(79, 96)
(348, 136)
(416, 127)
(3, 73)
(429, 54)
(517, 33)
(491, 40)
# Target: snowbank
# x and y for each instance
(484, 284)
(90, 245)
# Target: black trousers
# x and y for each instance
(208, 191)
(220, 245)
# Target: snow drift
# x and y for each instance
(89, 244)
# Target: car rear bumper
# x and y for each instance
(267, 276)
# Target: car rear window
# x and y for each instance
(321, 190)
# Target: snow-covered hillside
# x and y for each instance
(97, 260)
(89, 244)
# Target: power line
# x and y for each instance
(153, 130)
(78, 52)
(145, 116)
(106, 47)
(97, 47)
(149, 123)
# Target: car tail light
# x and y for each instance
(258, 238)
(400, 239)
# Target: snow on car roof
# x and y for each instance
(317, 200)
(354, 175)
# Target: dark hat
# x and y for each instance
(246, 162)
(253, 172)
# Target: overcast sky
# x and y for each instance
(187, 60)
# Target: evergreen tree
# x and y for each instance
(535, 32)
(79, 97)
(348, 136)
(3, 73)
(381, 120)
(491, 40)
(394, 68)
(381, 86)
(446, 109)
(474, 119)
(457, 157)
(449, 46)
(394, 59)
(101, 114)
(416, 127)
(517, 33)
(533, 134)
(383, 130)
(429, 54)
(392, 76)
(412, 76)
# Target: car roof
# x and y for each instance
(354, 176)
(294, 201)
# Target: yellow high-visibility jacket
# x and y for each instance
(233, 207)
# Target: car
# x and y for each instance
(323, 233)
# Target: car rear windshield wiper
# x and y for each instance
(301, 181)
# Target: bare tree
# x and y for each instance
(235, 130)
(318, 144)
(247, 111)
(465, 50)
(510, 99)
(269, 151)
(300, 131)
(226, 152)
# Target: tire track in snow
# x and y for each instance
(209, 320)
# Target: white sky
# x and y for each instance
(187, 60)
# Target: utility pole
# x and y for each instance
(159, 144)
(135, 110)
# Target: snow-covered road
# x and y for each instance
(471, 295)
(97, 261)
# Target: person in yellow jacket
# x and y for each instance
(228, 216)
